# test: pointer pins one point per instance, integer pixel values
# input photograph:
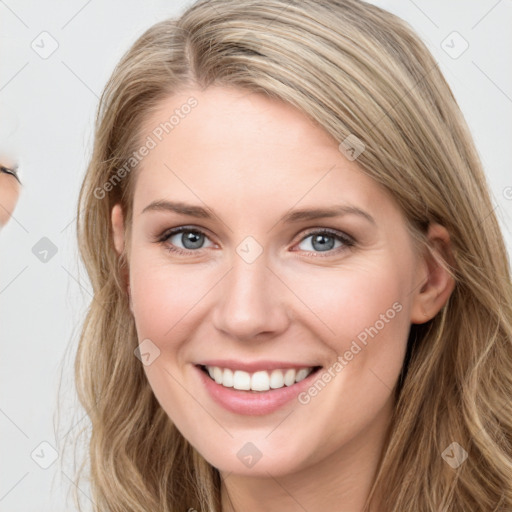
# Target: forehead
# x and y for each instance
(243, 147)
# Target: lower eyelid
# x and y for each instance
(344, 239)
(346, 243)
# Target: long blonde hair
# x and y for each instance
(357, 70)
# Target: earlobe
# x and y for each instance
(118, 228)
(437, 283)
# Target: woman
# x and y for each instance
(301, 294)
(9, 192)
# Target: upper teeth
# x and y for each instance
(258, 381)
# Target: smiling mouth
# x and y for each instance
(259, 381)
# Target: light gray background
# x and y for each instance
(47, 107)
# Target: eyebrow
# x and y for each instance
(290, 217)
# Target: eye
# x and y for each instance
(325, 240)
(13, 172)
(185, 239)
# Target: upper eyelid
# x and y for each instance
(11, 171)
(309, 231)
(180, 229)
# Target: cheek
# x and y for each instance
(337, 304)
(362, 315)
(9, 191)
(164, 297)
(351, 298)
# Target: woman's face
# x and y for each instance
(290, 259)
(9, 192)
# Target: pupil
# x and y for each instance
(192, 240)
(323, 240)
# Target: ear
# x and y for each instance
(437, 283)
(117, 219)
(118, 228)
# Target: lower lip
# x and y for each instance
(254, 403)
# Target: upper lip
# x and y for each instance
(254, 366)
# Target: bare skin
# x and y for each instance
(304, 299)
(9, 191)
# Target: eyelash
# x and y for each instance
(347, 241)
(13, 172)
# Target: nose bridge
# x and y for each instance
(250, 300)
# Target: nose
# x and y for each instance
(252, 302)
